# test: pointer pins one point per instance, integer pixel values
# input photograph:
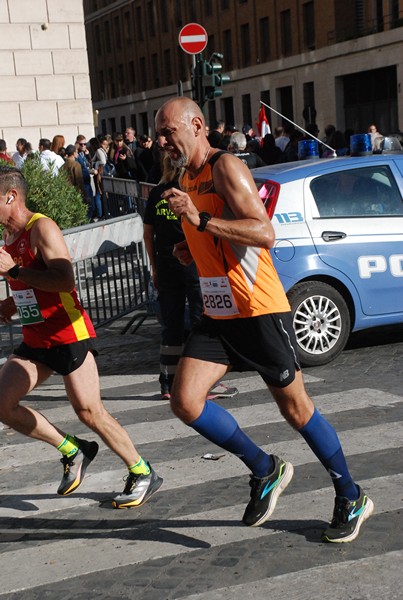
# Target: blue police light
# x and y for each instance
(308, 149)
(361, 144)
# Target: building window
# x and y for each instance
(144, 122)
(117, 33)
(121, 80)
(264, 39)
(210, 45)
(164, 16)
(394, 14)
(155, 70)
(285, 28)
(143, 73)
(132, 75)
(227, 106)
(123, 124)
(111, 77)
(107, 37)
(309, 112)
(178, 13)
(224, 4)
(112, 125)
(151, 19)
(181, 64)
(139, 24)
(103, 126)
(133, 122)
(97, 36)
(193, 12)
(167, 66)
(265, 97)
(208, 8)
(308, 16)
(128, 29)
(101, 85)
(227, 41)
(245, 45)
(246, 109)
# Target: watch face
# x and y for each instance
(204, 219)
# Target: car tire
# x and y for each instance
(321, 322)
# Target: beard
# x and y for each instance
(178, 163)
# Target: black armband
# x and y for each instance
(13, 272)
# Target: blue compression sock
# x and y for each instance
(324, 442)
(219, 426)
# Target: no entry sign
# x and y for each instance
(193, 38)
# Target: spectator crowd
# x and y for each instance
(127, 156)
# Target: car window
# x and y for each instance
(370, 191)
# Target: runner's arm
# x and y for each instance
(48, 245)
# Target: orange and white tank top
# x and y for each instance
(236, 281)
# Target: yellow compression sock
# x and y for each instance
(140, 468)
(69, 446)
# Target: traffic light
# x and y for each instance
(208, 79)
(213, 79)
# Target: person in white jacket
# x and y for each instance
(50, 160)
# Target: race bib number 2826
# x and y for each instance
(217, 297)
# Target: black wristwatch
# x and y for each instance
(13, 272)
(204, 219)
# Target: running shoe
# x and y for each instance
(219, 390)
(75, 466)
(348, 516)
(165, 392)
(265, 492)
(138, 489)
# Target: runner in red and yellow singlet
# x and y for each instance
(57, 336)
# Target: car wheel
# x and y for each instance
(321, 321)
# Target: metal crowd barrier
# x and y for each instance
(110, 261)
(124, 196)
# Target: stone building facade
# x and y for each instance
(44, 74)
(341, 59)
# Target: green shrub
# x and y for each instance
(53, 196)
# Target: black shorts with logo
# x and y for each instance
(265, 344)
(63, 359)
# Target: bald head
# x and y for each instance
(181, 108)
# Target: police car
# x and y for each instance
(339, 246)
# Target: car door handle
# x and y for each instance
(332, 236)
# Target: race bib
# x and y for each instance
(217, 297)
(27, 307)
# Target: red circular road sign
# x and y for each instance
(193, 38)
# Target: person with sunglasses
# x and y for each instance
(84, 158)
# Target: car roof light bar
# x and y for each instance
(299, 127)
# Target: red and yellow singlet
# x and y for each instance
(48, 318)
(237, 281)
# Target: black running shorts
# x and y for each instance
(63, 359)
(265, 344)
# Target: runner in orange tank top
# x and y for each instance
(247, 322)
